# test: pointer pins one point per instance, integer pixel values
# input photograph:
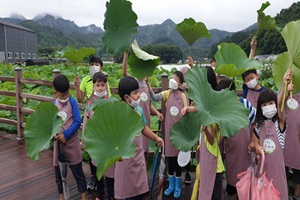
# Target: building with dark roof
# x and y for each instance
(17, 43)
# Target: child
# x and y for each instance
(100, 91)
(211, 164)
(236, 146)
(175, 101)
(292, 145)
(270, 129)
(84, 91)
(130, 174)
(68, 136)
(145, 103)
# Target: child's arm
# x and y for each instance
(254, 144)
(190, 62)
(149, 134)
(124, 64)
(77, 120)
(159, 115)
(253, 47)
(286, 80)
(79, 93)
(154, 97)
(188, 109)
(210, 133)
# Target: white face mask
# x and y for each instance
(269, 111)
(251, 84)
(173, 85)
(100, 94)
(134, 103)
(63, 100)
(94, 69)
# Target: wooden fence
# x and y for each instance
(19, 95)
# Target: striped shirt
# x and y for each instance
(280, 134)
(248, 105)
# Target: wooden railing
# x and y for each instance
(19, 95)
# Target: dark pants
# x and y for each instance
(173, 166)
(110, 187)
(78, 175)
(98, 183)
(217, 187)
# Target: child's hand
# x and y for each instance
(160, 116)
(184, 110)
(76, 81)
(61, 138)
(253, 43)
(159, 141)
(190, 61)
(147, 80)
(290, 87)
(287, 76)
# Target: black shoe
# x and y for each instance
(187, 179)
(91, 183)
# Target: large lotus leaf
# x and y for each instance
(233, 61)
(141, 63)
(120, 24)
(221, 107)
(77, 56)
(185, 133)
(98, 102)
(265, 22)
(40, 128)
(291, 37)
(192, 31)
(110, 133)
(281, 64)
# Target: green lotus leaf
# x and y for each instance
(221, 107)
(110, 133)
(281, 64)
(98, 102)
(192, 31)
(141, 63)
(233, 61)
(265, 22)
(291, 37)
(185, 133)
(77, 56)
(120, 24)
(40, 128)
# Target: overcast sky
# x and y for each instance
(229, 15)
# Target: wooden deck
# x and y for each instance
(23, 178)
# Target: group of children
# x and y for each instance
(128, 178)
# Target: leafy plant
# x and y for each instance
(221, 107)
(76, 56)
(119, 24)
(40, 128)
(141, 63)
(110, 133)
(191, 31)
(185, 133)
(232, 60)
(265, 22)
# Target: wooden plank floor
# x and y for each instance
(23, 178)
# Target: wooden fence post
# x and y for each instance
(164, 86)
(19, 100)
(55, 73)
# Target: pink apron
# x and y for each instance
(131, 174)
(292, 141)
(145, 105)
(110, 173)
(274, 162)
(252, 96)
(71, 149)
(237, 157)
(208, 169)
(174, 104)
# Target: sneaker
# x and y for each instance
(187, 179)
(91, 183)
